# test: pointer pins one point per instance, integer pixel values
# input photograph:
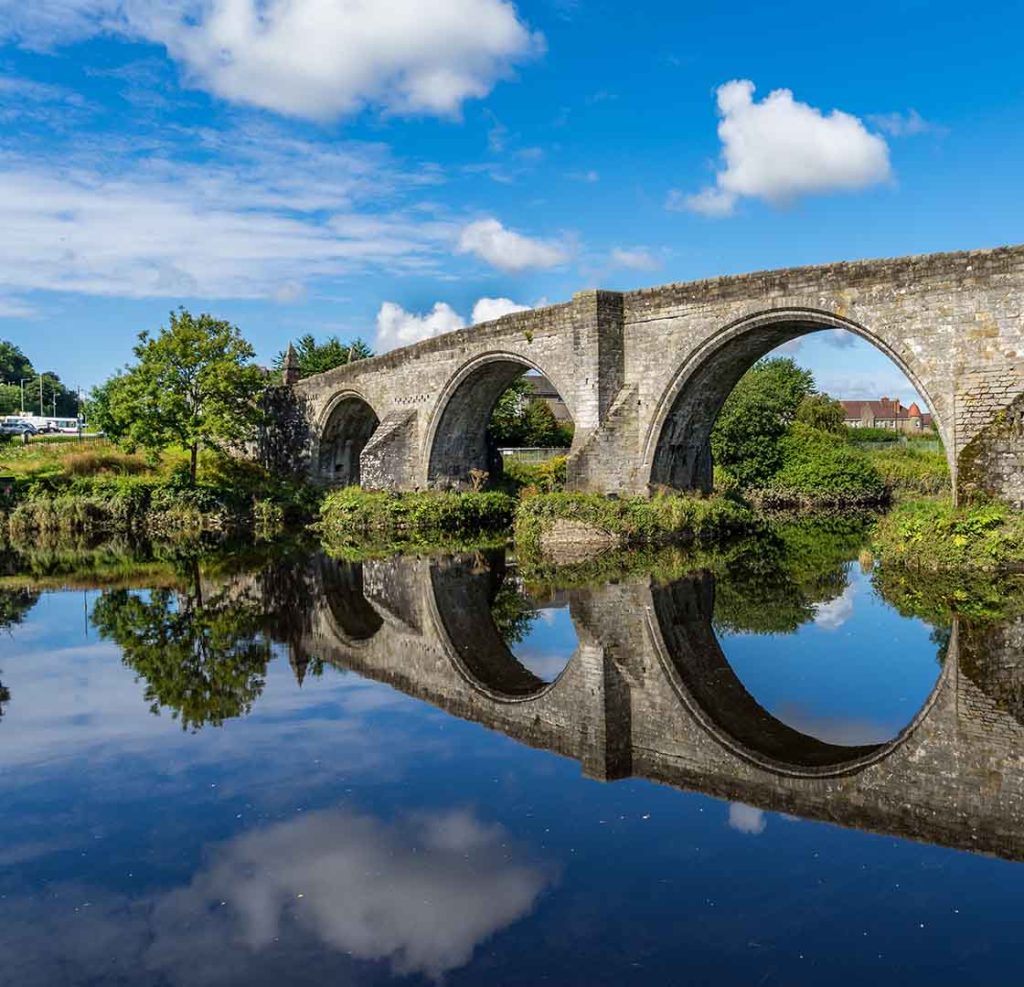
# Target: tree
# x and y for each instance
(755, 416)
(519, 419)
(507, 424)
(194, 385)
(10, 399)
(317, 358)
(14, 365)
(822, 412)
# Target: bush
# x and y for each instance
(353, 514)
(632, 520)
(546, 477)
(905, 468)
(856, 435)
(935, 535)
(819, 468)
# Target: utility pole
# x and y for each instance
(41, 409)
(22, 382)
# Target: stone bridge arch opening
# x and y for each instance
(466, 436)
(348, 426)
(677, 449)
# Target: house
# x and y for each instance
(544, 390)
(886, 413)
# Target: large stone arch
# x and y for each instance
(456, 440)
(682, 635)
(344, 429)
(676, 447)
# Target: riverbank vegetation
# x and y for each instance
(933, 535)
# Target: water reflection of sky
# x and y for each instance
(344, 833)
(549, 644)
(857, 674)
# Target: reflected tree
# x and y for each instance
(205, 659)
(512, 612)
(774, 583)
(15, 605)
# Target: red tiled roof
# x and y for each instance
(884, 408)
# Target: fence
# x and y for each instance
(532, 454)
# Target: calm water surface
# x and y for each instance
(427, 770)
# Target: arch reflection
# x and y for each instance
(486, 615)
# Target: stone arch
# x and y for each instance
(463, 590)
(346, 427)
(679, 623)
(457, 440)
(676, 451)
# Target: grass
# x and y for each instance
(909, 469)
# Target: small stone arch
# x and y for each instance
(676, 449)
(346, 427)
(457, 440)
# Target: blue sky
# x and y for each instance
(335, 167)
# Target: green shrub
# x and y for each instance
(907, 469)
(820, 468)
(545, 477)
(935, 535)
(633, 520)
(856, 435)
(352, 514)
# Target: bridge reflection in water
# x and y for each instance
(649, 693)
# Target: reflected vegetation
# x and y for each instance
(785, 654)
(201, 651)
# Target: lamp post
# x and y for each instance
(22, 382)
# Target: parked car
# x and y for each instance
(18, 428)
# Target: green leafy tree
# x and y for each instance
(193, 385)
(507, 424)
(519, 419)
(14, 365)
(755, 417)
(10, 399)
(317, 358)
(203, 659)
(822, 412)
(14, 607)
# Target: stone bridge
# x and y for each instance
(644, 374)
(649, 693)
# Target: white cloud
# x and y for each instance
(779, 149)
(12, 307)
(442, 883)
(420, 895)
(397, 327)
(508, 250)
(318, 59)
(635, 259)
(832, 615)
(244, 214)
(909, 124)
(488, 309)
(746, 819)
